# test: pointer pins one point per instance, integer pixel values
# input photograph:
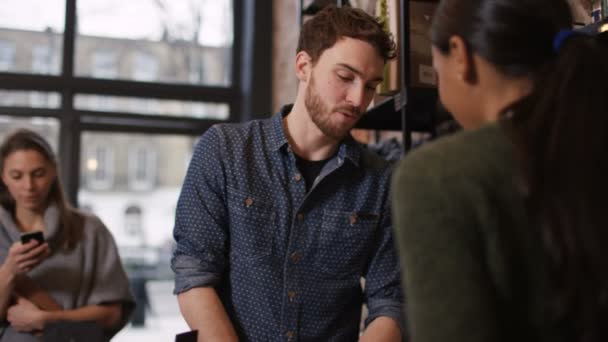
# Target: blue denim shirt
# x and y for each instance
(287, 264)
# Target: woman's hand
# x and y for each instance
(25, 317)
(22, 258)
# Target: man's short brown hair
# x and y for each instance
(331, 24)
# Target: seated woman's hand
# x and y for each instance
(22, 258)
(25, 317)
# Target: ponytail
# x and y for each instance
(560, 133)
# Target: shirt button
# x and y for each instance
(300, 216)
(249, 202)
(295, 257)
(289, 335)
(291, 295)
(352, 219)
(297, 177)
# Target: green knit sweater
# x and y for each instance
(471, 260)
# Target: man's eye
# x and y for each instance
(345, 78)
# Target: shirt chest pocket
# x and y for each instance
(345, 240)
(252, 224)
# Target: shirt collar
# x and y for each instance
(349, 148)
(278, 139)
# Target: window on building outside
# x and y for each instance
(145, 67)
(7, 55)
(142, 167)
(133, 226)
(100, 167)
(44, 60)
(104, 64)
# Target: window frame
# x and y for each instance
(251, 55)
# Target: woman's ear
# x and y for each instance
(303, 66)
(463, 60)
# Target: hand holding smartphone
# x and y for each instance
(23, 256)
(35, 235)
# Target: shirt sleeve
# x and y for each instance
(109, 283)
(383, 292)
(200, 228)
(447, 284)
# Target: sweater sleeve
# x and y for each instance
(450, 293)
(109, 282)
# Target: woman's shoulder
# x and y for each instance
(462, 151)
(92, 225)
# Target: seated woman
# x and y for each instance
(501, 228)
(76, 274)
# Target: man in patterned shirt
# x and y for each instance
(279, 219)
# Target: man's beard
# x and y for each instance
(320, 114)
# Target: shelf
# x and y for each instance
(318, 5)
(594, 28)
(384, 115)
(387, 114)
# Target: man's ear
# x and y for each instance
(463, 60)
(303, 66)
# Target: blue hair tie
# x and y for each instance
(560, 38)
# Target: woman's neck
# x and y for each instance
(497, 91)
(503, 95)
(29, 220)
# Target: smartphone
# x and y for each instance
(189, 336)
(36, 235)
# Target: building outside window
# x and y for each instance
(100, 167)
(145, 66)
(44, 62)
(7, 55)
(142, 167)
(133, 225)
(104, 64)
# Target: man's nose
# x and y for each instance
(356, 96)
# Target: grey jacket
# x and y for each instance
(89, 274)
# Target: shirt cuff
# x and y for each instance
(190, 273)
(387, 308)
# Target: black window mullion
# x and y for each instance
(247, 96)
(29, 112)
(236, 109)
(69, 137)
(88, 85)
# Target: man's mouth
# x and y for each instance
(348, 113)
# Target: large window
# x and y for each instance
(31, 35)
(122, 90)
(46, 127)
(177, 41)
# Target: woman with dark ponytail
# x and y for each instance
(501, 228)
